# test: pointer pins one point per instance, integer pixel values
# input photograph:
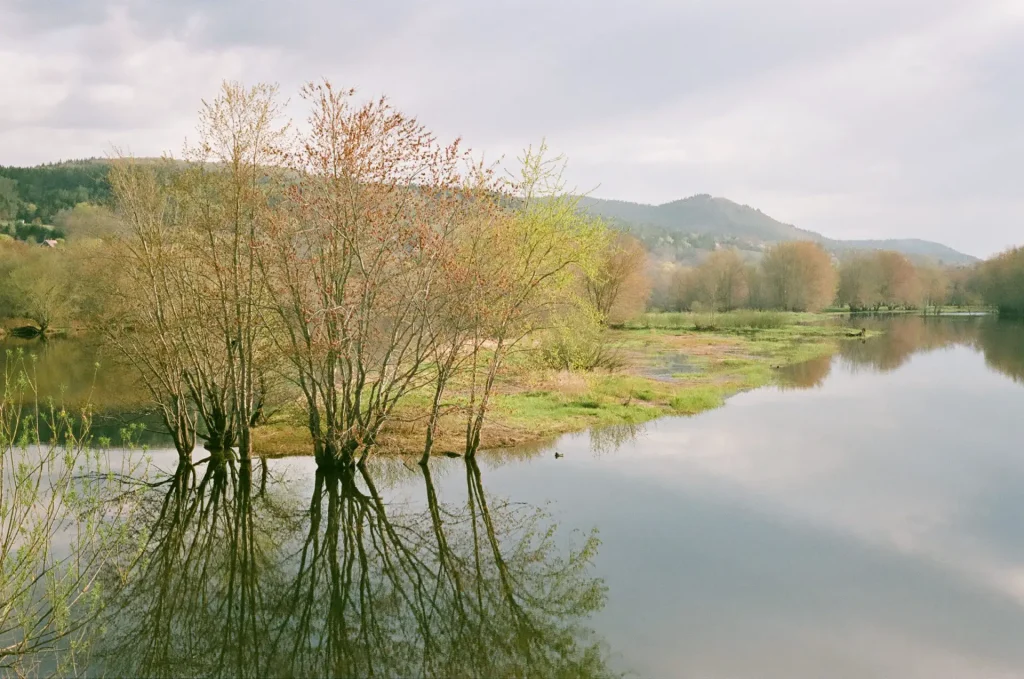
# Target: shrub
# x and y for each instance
(578, 342)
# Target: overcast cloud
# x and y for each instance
(866, 119)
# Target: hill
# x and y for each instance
(682, 229)
(912, 247)
(38, 194)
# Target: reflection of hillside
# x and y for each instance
(235, 582)
(75, 372)
(1003, 345)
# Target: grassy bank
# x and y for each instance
(671, 364)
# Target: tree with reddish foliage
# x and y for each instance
(899, 285)
(363, 263)
(935, 285)
(799, 276)
(860, 282)
(721, 281)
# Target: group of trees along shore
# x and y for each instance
(803, 276)
(363, 261)
(1001, 281)
(356, 257)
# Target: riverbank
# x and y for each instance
(670, 364)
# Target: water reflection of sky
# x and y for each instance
(868, 528)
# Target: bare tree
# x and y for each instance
(900, 285)
(799, 276)
(145, 319)
(525, 259)
(354, 264)
(1001, 281)
(721, 281)
(860, 282)
(619, 286)
(192, 295)
(227, 199)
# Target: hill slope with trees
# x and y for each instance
(39, 193)
(681, 229)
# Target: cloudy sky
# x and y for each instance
(855, 118)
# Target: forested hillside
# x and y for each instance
(702, 214)
(685, 230)
(38, 194)
(682, 231)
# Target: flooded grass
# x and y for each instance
(665, 371)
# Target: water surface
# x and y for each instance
(862, 520)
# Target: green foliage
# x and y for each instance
(1001, 281)
(576, 341)
(86, 220)
(36, 233)
(9, 200)
(42, 192)
(733, 320)
(39, 283)
(58, 527)
(697, 400)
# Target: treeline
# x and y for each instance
(803, 276)
(1001, 281)
(57, 288)
(362, 260)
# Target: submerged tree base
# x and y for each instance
(27, 332)
(665, 371)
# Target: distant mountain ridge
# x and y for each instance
(683, 230)
(705, 222)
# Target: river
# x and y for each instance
(864, 519)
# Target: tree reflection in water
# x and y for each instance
(195, 603)
(1000, 341)
(807, 375)
(1003, 345)
(243, 584)
(606, 440)
(902, 337)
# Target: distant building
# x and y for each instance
(49, 243)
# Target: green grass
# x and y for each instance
(704, 322)
(697, 400)
(532, 403)
(744, 353)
